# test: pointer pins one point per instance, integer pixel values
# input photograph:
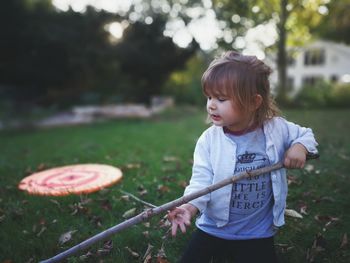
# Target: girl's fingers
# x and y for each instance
(173, 229)
(182, 227)
(179, 219)
(173, 213)
(286, 162)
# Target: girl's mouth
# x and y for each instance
(215, 117)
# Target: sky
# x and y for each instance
(204, 27)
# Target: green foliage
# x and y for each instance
(340, 95)
(322, 95)
(185, 85)
(148, 58)
(50, 57)
(336, 26)
(317, 95)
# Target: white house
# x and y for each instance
(320, 60)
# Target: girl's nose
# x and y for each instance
(211, 104)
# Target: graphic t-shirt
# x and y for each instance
(252, 199)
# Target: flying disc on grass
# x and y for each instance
(73, 179)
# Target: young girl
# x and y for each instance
(239, 221)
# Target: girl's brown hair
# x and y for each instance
(241, 78)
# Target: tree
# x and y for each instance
(293, 19)
(51, 57)
(336, 26)
(149, 57)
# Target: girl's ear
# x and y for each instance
(257, 100)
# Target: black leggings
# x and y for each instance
(204, 248)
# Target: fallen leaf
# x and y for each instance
(343, 156)
(161, 256)
(163, 189)
(64, 238)
(85, 201)
(145, 234)
(292, 213)
(168, 179)
(344, 241)
(170, 159)
(292, 180)
(96, 220)
(162, 260)
(106, 205)
(318, 245)
(147, 224)
(86, 256)
(319, 242)
(303, 210)
(324, 198)
(284, 247)
(79, 208)
(141, 190)
(42, 221)
(133, 166)
(41, 167)
(130, 213)
(132, 253)
(164, 222)
(106, 249)
(322, 218)
(183, 184)
(147, 257)
(309, 168)
(125, 198)
(42, 230)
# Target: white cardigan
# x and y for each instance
(215, 159)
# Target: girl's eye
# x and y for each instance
(221, 99)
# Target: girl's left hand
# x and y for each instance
(295, 156)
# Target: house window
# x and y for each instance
(334, 78)
(314, 57)
(311, 80)
(290, 60)
(290, 83)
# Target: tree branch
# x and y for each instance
(157, 210)
(137, 199)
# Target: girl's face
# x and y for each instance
(224, 112)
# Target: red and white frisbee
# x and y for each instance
(73, 179)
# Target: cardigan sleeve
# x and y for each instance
(202, 173)
(302, 135)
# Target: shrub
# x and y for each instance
(315, 96)
(340, 95)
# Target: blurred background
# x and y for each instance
(76, 56)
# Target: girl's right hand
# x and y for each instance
(180, 217)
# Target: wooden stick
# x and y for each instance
(157, 210)
(138, 199)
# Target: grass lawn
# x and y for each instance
(155, 156)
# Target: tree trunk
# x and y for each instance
(282, 54)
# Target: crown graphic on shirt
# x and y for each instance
(246, 157)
